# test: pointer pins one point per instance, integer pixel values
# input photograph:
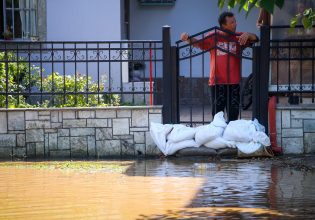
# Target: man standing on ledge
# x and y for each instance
(225, 63)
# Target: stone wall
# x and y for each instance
(296, 128)
(78, 132)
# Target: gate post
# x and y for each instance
(174, 84)
(256, 82)
(167, 77)
(264, 74)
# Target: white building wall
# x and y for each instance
(83, 20)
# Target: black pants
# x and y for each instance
(226, 97)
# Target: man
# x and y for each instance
(225, 63)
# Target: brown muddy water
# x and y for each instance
(157, 189)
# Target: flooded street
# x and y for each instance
(160, 189)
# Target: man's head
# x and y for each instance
(227, 21)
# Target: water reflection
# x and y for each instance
(160, 189)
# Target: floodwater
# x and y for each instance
(160, 189)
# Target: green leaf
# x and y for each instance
(279, 3)
(221, 3)
(307, 12)
(268, 5)
(231, 4)
(294, 21)
(307, 23)
(253, 3)
(242, 3)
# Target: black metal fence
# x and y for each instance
(63, 74)
(292, 56)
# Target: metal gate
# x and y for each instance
(193, 61)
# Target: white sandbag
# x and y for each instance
(240, 131)
(181, 133)
(259, 127)
(261, 137)
(158, 133)
(207, 133)
(219, 143)
(172, 148)
(248, 147)
(219, 120)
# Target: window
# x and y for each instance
(157, 2)
(19, 19)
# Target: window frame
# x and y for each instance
(32, 8)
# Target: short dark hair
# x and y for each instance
(222, 17)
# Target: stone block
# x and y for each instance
(303, 114)
(108, 148)
(123, 113)
(74, 123)
(91, 147)
(97, 123)
(139, 129)
(40, 149)
(19, 152)
(139, 137)
(278, 121)
(68, 114)
(56, 125)
(309, 125)
(53, 141)
(55, 116)
(34, 135)
(151, 148)
(43, 113)
(296, 123)
(63, 143)
(31, 115)
(140, 118)
(37, 124)
(104, 134)
(31, 150)
(105, 113)
(44, 117)
(63, 132)
(75, 132)
(3, 122)
(7, 140)
(292, 145)
(20, 140)
(46, 141)
(157, 118)
(16, 120)
(110, 123)
(286, 119)
(86, 114)
(59, 154)
(122, 137)
(54, 130)
(155, 110)
(140, 150)
(5, 152)
(309, 143)
(78, 146)
(127, 147)
(292, 132)
(121, 126)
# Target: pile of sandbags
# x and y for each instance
(248, 136)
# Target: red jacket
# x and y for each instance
(225, 68)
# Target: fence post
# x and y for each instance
(167, 77)
(174, 84)
(256, 82)
(264, 74)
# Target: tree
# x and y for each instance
(308, 16)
